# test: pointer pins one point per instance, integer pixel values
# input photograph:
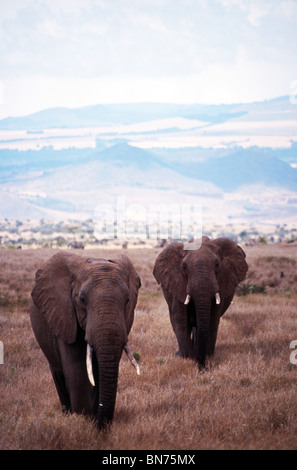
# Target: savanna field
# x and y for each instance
(246, 399)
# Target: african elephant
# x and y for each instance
(198, 285)
(74, 245)
(79, 306)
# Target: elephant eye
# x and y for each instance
(83, 300)
(217, 264)
(184, 267)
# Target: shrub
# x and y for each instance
(248, 288)
(4, 302)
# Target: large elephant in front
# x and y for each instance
(82, 310)
(198, 285)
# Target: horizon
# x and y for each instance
(128, 103)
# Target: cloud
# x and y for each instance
(257, 12)
(95, 38)
(244, 81)
(94, 27)
(287, 10)
(50, 28)
(253, 10)
(176, 50)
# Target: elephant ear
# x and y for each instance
(168, 273)
(133, 282)
(233, 266)
(52, 295)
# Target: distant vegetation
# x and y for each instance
(270, 274)
(50, 234)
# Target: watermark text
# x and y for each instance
(293, 355)
(1, 353)
(153, 221)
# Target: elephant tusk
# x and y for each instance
(132, 358)
(188, 298)
(218, 298)
(89, 364)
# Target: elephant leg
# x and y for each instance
(60, 384)
(81, 392)
(49, 345)
(180, 325)
(81, 395)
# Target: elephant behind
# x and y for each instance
(198, 286)
(81, 311)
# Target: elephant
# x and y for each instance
(198, 286)
(81, 312)
(76, 245)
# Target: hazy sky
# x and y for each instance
(82, 52)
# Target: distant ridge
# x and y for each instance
(130, 113)
(242, 168)
(49, 180)
(102, 115)
(123, 154)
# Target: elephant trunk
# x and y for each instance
(203, 309)
(108, 380)
(108, 369)
(203, 290)
(107, 337)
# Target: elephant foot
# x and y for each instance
(203, 368)
(104, 418)
(184, 355)
(66, 409)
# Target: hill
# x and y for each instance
(242, 168)
(123, 155)
(241, 183)
(100, 115)
(131, 113)
(237, 161)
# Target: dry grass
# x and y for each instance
(273, 268)
(246, 400)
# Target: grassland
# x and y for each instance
(245, 400)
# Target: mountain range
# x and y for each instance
(98, 115)
(231, 182)
(241, 168)
(131, 113)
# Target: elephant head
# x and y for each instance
(198, 286)
(88, 304)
